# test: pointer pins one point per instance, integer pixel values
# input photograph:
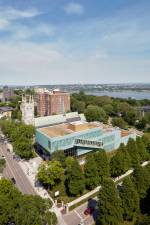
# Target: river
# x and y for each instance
(138, 95)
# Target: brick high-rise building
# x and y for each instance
(42, 103)
(55, 102)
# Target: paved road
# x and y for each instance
(77, 215)
(14, 170)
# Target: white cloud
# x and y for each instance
(10, 20)
(7, 15)
(74, 8)
(29, 63)
(22, 32)
(94, 51)
(11, 13)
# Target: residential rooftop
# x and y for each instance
(6, 109)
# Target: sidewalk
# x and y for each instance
(30, 168)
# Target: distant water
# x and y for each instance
(138, 95)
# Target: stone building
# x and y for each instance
(27, 109)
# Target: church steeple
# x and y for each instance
(27, 109)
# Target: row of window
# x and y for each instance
(88, 142)
(71, 152)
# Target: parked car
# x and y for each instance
(89, 211)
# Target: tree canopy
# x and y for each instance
(74, 178)
(141, 179)
(120, 162)
(23, 209)
(91, 173)
(21, 136)
(50, 173)
(102, 165)
(109, 204)
(129, 200)
(95, 113)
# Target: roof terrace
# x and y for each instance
(66, 128)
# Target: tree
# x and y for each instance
(131, 116)
(141, 125)
(120, 162)
(23, 148)
(123, 108)
(102, 100)
(102, 165)
(59, 156)
(50, 218)
(50, 174)
(95, 113)
(130, 200)
(69, 162)
(74, 179)
(16, 114)
(109, 109)
(109, 204)
(133, 152)
(143, 220)
(143, 154)
(145, 203)
(77, 105)
(21, 136)
(141, 179)
(91, 173)
(16, 208)
(119, 122)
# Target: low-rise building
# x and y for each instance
(78, 137)
(5, 112)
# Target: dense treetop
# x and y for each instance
(125, 112)
(21, 136)
(23, 209)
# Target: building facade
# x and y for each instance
(79, 137)
(50, 103)
(5, 112)
(8, 94)
(27, 109)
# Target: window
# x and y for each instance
(70, 152)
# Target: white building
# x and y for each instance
(27, 109)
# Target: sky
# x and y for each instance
(74, 41)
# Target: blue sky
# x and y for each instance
(79, 41)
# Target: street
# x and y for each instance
(13, 169)
(77, 215)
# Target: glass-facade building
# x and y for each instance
(80, 141)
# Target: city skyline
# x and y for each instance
(56, 42)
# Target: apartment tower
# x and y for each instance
(51, 103)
